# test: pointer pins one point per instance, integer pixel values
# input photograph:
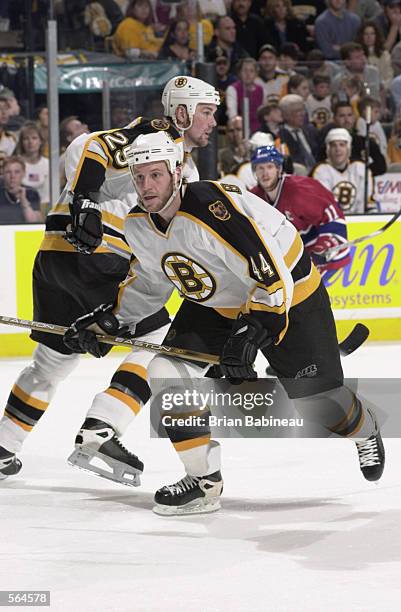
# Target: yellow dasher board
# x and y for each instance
(368, 290)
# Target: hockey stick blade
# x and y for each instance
(354, 340)
(332, 251)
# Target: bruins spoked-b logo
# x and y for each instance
(219, 210)
(345, 194)
(180, 82)
(160, 124)
(191, 279)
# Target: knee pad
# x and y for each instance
(49, 365)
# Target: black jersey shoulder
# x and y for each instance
(209, 204)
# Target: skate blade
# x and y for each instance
(212, 505)
(128, 477)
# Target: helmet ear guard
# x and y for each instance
(157, 147)
(189, 92)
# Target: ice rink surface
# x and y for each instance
(300, 529)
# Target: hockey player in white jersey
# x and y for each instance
(90, 214)
(343, 177)
(247, 284)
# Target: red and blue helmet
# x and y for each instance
(264, 155)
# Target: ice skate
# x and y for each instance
(190, 495)
(371, 453)
(100, 452)
(9, 464)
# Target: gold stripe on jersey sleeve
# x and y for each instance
(305, 287)
(98, 158)
(138, 214)
(105, 149)
(56, 242)
(118, 242)
(294, 251)
(113, 220)
(188, 444)
(123, 285)
(84, 154)
(135, 369)
(61, 208)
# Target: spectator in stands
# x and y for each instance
(245, 87)
(300, 138)
(8, 140)
(251, 34)
(298, 84)
(375, 130)
(224, 42)
(236, 150)
(335, 27)
(42, 121)
(343, 177)
(345, 117)
(318, 103)
(191, 13)
(18, 204)
(270, 119)
(365, 9)
(394, 143)
(135, 36)
(319, 66)
(224, 78)
(29, 148)
(356, 65)
(176, 43)
(289, 57)
(271, 78)
(70, 128)
(15, 119)
(371, 39)
(282, 26)
(389, 23)
(349, 88)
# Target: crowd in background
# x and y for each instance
(302, 68)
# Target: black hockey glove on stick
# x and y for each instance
(86, 230)
(240, 349)
(79, 338)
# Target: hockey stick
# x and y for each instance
(140, 344)
(331, 252)
(353, 341)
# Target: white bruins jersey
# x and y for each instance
(319, 111)
(225, 250)
(347, 186)
(96, 163)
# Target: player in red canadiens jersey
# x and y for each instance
(306, 203)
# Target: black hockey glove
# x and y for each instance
(85, 232)
(80, 339)
(240, 349)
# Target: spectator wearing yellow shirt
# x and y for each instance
(136, 35)
(190, 12)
